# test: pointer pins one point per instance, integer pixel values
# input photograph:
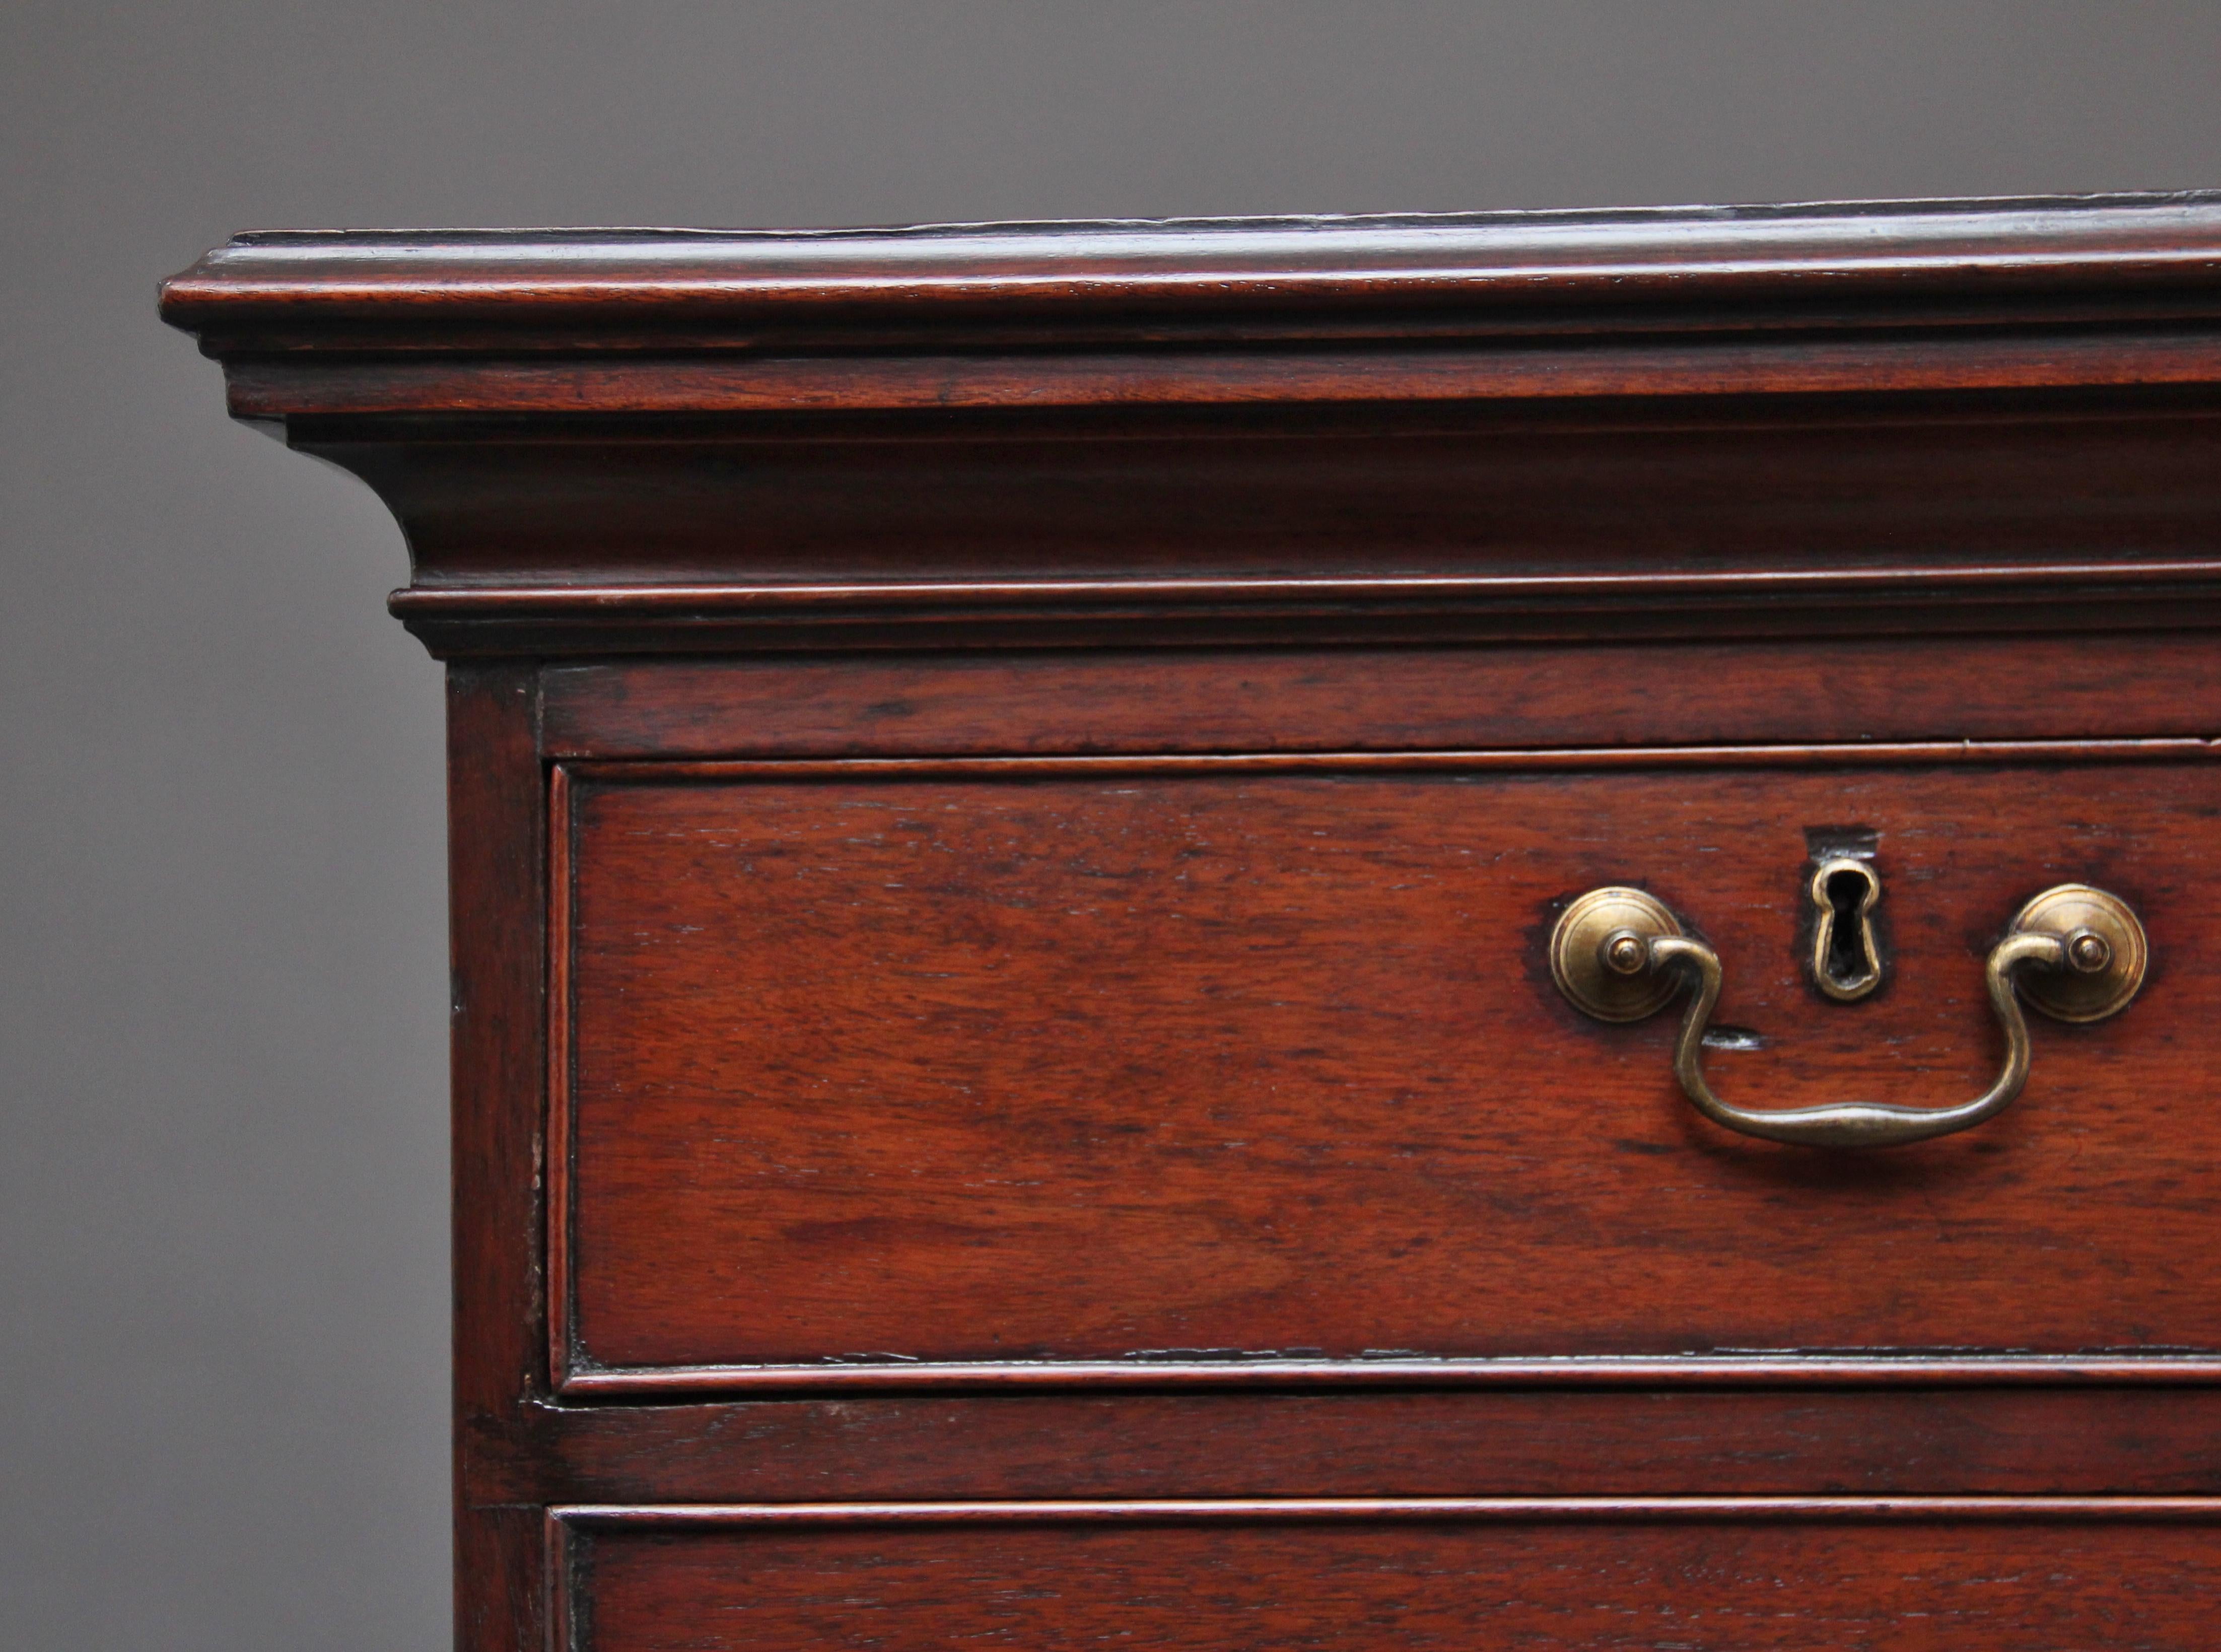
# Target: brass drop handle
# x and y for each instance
(2077, 954)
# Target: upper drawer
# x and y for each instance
(1225, 1069)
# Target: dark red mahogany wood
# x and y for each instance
(497, 887)
(1770, 1435)
(1813, 417)
(1140, 1068)
(1734, 1575)
(1835, 691)
(1233, 638)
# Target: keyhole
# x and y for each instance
(1846, 959)
(1844, 963)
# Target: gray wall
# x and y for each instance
(222, 1183)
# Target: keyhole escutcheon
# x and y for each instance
(1846, 965)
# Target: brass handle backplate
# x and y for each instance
(2077, 954)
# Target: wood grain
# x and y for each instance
(1127, 1073)
(497, 881)
(1909, 1440)
(1731, 1576)
(2162, 358)
(1257, 525)
(1843, 689)
(1809, 420)
(1180, 1071)
(1686, 497)
(1705, 269)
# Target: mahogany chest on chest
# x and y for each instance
(1347, 932)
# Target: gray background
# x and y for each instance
(224, 1194)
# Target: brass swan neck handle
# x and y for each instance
(2076, 953)
(1852, 1123)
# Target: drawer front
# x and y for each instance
(1727, 1577)
(916, 1071)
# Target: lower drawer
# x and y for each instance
(1722, 1575)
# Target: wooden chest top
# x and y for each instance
(1460, 428)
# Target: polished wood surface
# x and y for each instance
(1929, 1438)
(1008, 785)
(497, 861)
(1726, 1577)
(1505, 424)
(1187, 1068)
(1966, 252)
(1643, 516)
(1708, 272)
(1860, 689)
